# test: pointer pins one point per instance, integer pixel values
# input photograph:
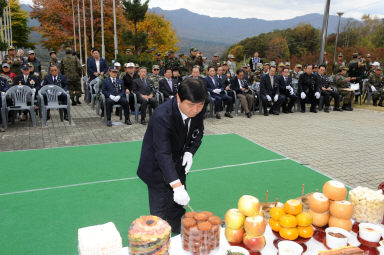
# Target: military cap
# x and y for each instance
(273, 63)
(137, 65)
(117, 64)
(244, 65)
(30, 64)
(5, 65)
(25, 66)
(248, 65)
(266, 64)
(224, 63)
(181, 54)
(230, 56)
(315, 66)
(171, 51)
(281, 64)
(129, 50)
(114, 69)
(216, 55)
(340, 54)
(155, 67)
(11, 47)
(158, 54)
(368, 55)
(287, 63)
(355, 55)
(130, 64)
(345, 68)
(204, 58)
(299, 66)
(52, 51)
(31, 52)
(193, 49)
(68, 50)
(379, 68)
(196, 66)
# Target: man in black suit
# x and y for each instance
(114, 92)
(96, 65)
(54, 78)
(128, 79)
(327, 91)
(270, 91)
(168, 85)
(309, 90)
(285, 84)
(173, 136)
(241, 88)
(143, 88)
(216, 90)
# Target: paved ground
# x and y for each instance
(347, 146)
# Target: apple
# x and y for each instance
(255, 226)
(234, 235)
(234, 219)
(249, 205)
(253, 243)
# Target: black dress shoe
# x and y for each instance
(266, 113)
(128, 122)
(228, 114)
(66, 117)
(337, 109)
(326, 109)
(290, 111)
(143, 122)
(249, 115)
(74, 103)
(285, 111)
(218, 116)
(109, 123)
(276, 113)
(78, 101)
(313, 110)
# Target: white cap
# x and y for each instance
(31, 52)
(376, 63)
(116, 64)
(130, 64)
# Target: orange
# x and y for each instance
(293, 207)
(276, 213)
(304, 219)
(288, 221)
(289, 233)
(274, 224)
(306, 232)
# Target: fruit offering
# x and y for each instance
(246, 225)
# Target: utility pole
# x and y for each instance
(324, 31)
(337, 36)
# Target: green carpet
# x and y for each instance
(45, 222)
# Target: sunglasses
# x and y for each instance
(156, 69)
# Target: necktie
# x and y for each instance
(114, 81)
(272, 82)
(25, 79)
(54, 80)
(186, 123)
(213, 81)
(145, 82)
(170, 84)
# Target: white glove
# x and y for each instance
(180, 195)
(117, 98)
(187, 161)
(112, 97)
(288, 87)
(291, 91)
(216, 91)
(170, 97)
(269, 98)
(276, 98)
(34, 90)
(373, 88)
(317, 95)
(303, 95)
(59, 93)
(2, 92)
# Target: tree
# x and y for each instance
(278, 49)
(135, 11)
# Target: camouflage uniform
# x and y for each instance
(194, 61)
(337, 66)
(15, 63)
(172, 63)
(341, 84)
(155, 78)
(53, 61)
(71, 68)
(377, 81)
(183, 66)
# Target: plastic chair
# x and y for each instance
(138, 106)
(20, 95)
(52, 93)
(94, 87)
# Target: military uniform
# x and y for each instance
(194, 61)
(155, 78)
(341, 83)
(183, 65)
(71, 68)
(338, 65)
(377, 81)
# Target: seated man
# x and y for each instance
(128, 79)
(309, 89)
(286, 89)
(216, 89)
(54, 78)
(168, 85)
(327, 91)
(270, 90)
(342, 84)
(375, 83)
(4, 86)
(114, 91)
(242, 91)
(143, 88)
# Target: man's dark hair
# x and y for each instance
(209, 68)
(320, 66)
(272, 67)
(53, 66)
(285, 68)
(239, 71)
(307, 65)
(168, 68)
(193, 90)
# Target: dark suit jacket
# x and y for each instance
(128, 80)
(91, 68)
(211, 86)
(165, 143)
(166, 90)
(236, 86)
(61, 81)
(140, 88)
(108, 88)
(283, 84)
(266, 88)
(32, 81)
(308, 83)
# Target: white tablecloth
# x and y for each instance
(313, 246)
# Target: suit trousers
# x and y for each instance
(310, 98)
(219, 99)
(152, 102)
(327, 98)
(292, 100)
(276, 105)
(161, 204)
(122, 101)
(246, 101)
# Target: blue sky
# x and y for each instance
(271, 9)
